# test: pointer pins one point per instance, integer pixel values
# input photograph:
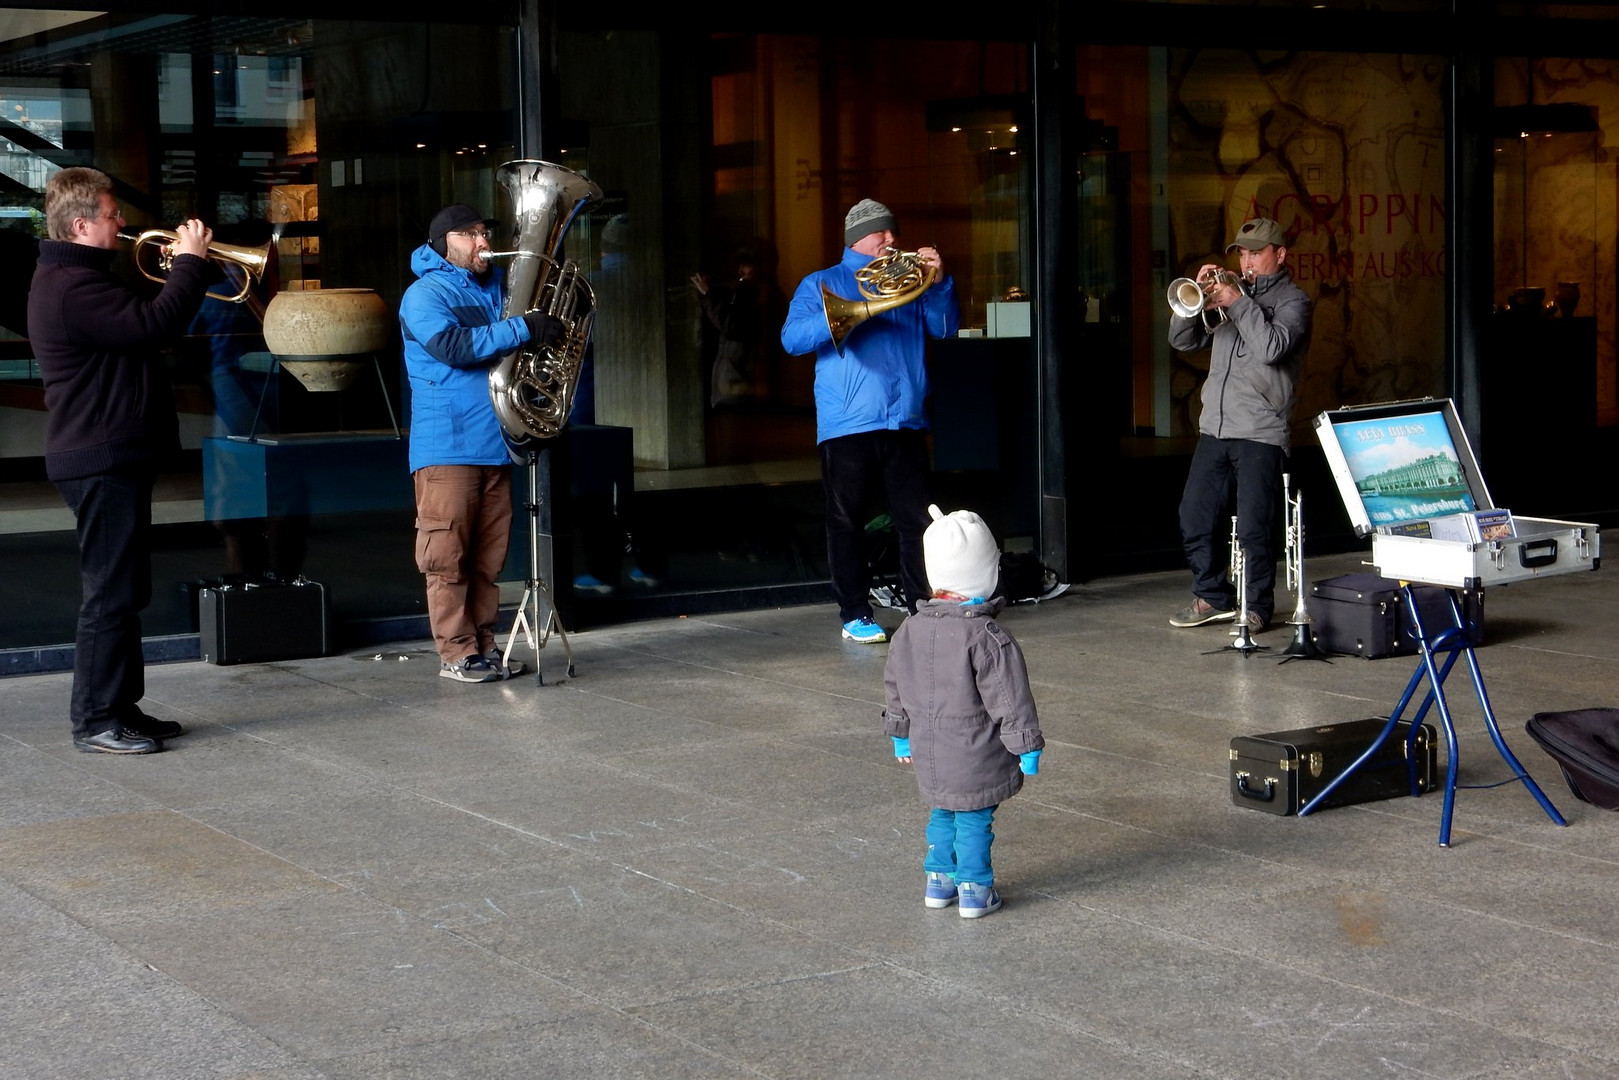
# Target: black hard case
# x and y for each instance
(1365, 615)
(254, 623)
(1280, 772)
(1585, 745)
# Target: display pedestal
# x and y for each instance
(1451, 642)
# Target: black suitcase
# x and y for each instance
(261, 621)
(1585, 745)
(1365, 615)
(1280, 772)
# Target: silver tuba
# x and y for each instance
(532, 388)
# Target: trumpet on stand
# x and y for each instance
(1303, 646)
(1238, 572)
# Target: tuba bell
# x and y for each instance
(889, 281)
(252, 260)
(532, 388)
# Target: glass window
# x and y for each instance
(1345, 150)
(729, 164)
(317, 150)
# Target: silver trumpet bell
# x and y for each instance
(1189, 299)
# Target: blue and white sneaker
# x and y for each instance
(941, 891)
(865, 631)
(977, 900)
(589, 585)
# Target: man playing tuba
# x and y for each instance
(869, 390)
(454, 333)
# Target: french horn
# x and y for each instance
(889, 281)
(532, 387)
(252, 260)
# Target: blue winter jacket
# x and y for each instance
(453, 334)
(879, 383)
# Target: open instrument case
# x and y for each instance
(1407, 475)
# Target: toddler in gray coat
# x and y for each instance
(960, 710)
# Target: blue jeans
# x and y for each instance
(958, 844)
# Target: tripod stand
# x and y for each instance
(535, 628)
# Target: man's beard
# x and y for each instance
(470, 262)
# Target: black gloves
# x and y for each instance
(544, 329)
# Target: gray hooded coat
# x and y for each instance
(958, 689)
(1255, 361)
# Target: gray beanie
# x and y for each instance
(864, 218)
(961, 555)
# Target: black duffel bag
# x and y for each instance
(1585, 745)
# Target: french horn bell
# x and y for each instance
(889, 281)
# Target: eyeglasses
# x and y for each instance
(472, 234)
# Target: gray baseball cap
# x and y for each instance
(1257, 233)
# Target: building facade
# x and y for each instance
(1453, 217)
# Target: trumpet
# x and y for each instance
(1188, 298)
(1303, 646)
(253, 260)
(889, 281)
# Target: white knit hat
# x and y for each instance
(961, 554)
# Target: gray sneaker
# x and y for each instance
(977, 900)
(513, 668)
(472, 668)
(1200, 613)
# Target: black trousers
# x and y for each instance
(1253, 470)
(114, 513)
(854, 470)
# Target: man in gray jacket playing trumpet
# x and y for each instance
(1244, 430)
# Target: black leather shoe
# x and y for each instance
(115, 741)
(138, 723)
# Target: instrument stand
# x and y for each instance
(275, 373)
(1302, 647)
(1453, 643)
(535, 629)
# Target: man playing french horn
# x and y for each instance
(453, 331)
(870, 385)
(1258, 338)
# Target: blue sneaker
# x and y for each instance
(941, 891)
(591, 586)
(977, 900)
(865, 631)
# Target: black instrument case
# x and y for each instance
(1365, 615)
(1280, 772)
(263, 621)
